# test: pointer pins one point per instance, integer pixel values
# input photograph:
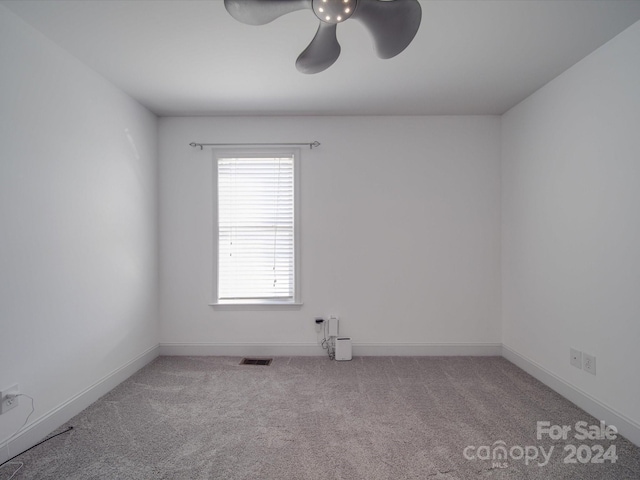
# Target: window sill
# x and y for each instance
(256, 305)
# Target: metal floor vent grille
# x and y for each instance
(256, 361)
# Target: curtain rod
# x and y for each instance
(311, 145)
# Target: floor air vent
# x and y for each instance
(256, 361)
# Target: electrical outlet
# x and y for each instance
(576, 358)
(589, 363)
(8, 403)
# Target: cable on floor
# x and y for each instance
(20, 465)
(327, 344)
(39, 443)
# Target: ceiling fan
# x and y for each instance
(392, 23)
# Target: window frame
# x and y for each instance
(270, 152)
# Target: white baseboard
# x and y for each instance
(626, 426)
(47, 423)
(313, 349)
(427, 349)
(241, 349)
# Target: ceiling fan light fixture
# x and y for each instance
(333, 11)
(392, 23)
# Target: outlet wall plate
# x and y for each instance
(589, 363)
(575, 358)
(5, 404)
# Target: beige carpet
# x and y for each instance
(312, 418)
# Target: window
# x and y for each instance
(257, 239)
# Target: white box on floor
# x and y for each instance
(343, 348)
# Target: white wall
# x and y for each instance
(571, 225)
(400, 232)
(78, 225)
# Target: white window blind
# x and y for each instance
(256, 231)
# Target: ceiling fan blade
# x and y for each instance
(259, 12)
(322, 52)
(393, 24)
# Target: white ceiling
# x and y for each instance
(181, 57)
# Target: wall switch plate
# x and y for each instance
(589, 363)
(8, 404)
(576, 358)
